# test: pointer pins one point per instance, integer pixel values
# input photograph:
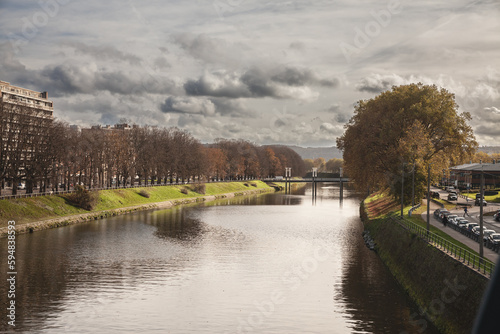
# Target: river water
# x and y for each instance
(272, 263)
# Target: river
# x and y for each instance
(272, 263)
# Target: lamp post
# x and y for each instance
(481, 199)
(402, 188)
(428, 196)
(314, 175)
(341, 186)
(288, 175)
(413, 185)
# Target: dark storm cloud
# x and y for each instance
(188, 105)
(490, 129)
(292, 76)
(76, 78)
(256, 82)
(70, 78)
(204, 106)
(104, 52)
(209, 49)
(218, 84)
(233, 108)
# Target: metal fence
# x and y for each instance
(468, 258)
(61, 192)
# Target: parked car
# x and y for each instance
(435, 194)
(462, 223)
(444, 214)
(477, 230)
(494, 238)
(452, 197)
(487, 233)
(438, 212)
(458, 220)
(478, 202)
(470, 226)
(450, 188)
(451, 218)
(496, 216)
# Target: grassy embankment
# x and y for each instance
(27, 210)
(489, 199)
(440, 285)
(380, 205)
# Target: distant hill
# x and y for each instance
(489, 149)
(332, 152)
(318, 152)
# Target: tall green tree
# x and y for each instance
(400, 133)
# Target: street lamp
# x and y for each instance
(428, 196)
(314, 175)
(402, 188)
(288, 175)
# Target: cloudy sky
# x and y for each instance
(267, 71)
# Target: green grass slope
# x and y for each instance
(26, 210)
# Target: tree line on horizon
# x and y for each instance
(333, 165)
(55, 155)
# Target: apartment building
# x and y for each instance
(21, 100)
(25, 119)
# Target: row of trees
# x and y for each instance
(24, 143)
(403, 133)
(55, 156)
(331, 166)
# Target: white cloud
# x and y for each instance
(215, 73)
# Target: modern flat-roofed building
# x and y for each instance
(15, 98)
(470, 175)
(26, 116)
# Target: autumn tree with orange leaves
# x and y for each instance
(405, 129)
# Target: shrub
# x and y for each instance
(83, 198)
(184, 191)
(144, 193)
(253, 184)
(246, 184)
(199, 188)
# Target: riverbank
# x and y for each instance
(447, 292)
(39, 213)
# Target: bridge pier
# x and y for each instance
(341, 190)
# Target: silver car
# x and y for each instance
(487, 233)
(494, 238)
(451, 218)
(457, 221)
(470, 226)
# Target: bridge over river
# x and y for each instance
(316, 179)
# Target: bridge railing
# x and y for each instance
(470, 259)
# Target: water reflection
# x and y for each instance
(210, 268)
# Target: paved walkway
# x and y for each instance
(488, 253)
